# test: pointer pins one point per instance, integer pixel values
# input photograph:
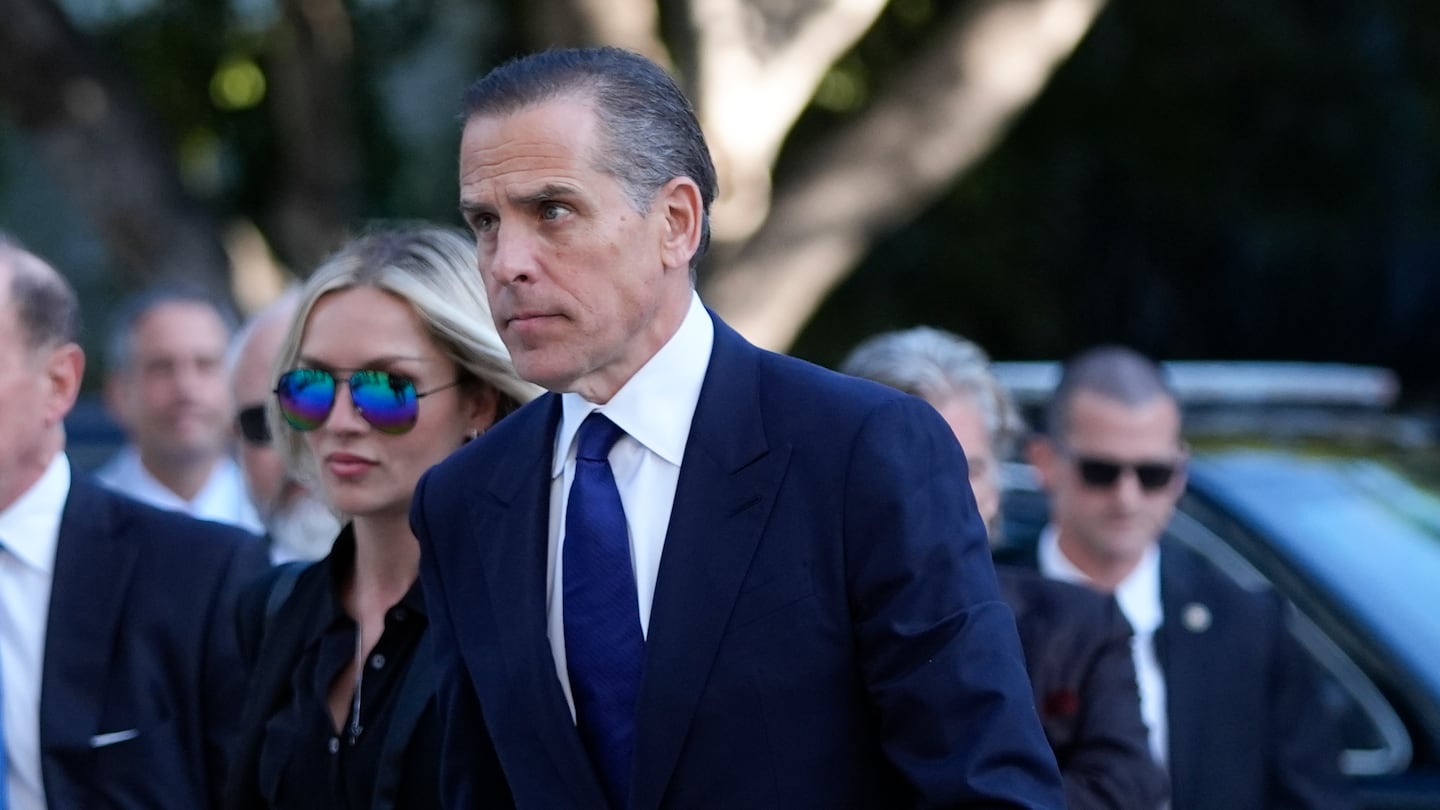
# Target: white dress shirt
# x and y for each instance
(223, 497)
(1139, 598)
(654, 408)
(30, 532)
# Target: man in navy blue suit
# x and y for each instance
(802, 613)
(1227, 695)
(121, 677)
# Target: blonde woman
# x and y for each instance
(391, 364)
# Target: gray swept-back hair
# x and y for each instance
(939, 367)
(649, 131)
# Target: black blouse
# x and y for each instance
(304, 761)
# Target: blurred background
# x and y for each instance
(1218, 180)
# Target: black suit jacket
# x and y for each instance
(1077, 652)
(1246, 725)
(142, 680)
(826, 630)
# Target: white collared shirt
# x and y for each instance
(223, 497)
(654, 408)
(30, 532)
(1139, 598)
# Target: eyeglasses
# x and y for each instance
(389, 402)
(1152, 475)
(253, 427)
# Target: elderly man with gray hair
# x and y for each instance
(1076, 643)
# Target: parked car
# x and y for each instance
(1336, 506)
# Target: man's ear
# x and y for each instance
(1041, 454)
(64, 372)
(683, 215)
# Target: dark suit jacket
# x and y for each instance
(140, 646)
(826, 629)
(271, 645)
(1077, 652)
(1247, 727)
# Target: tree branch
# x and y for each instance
(935, 121)
(758, 70)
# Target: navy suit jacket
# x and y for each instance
(142, 681)
(826, 629)
(1247, 726)
(1077, 652)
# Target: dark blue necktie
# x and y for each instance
(604, 648)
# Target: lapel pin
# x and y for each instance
(1195, 617)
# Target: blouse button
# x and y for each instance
(334, 745)
(377, 661)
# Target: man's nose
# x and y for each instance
(513, 257)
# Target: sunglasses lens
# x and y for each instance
(306, 396)
(1154, 476)
(387, 401)
(1098, 473)
(253, 428)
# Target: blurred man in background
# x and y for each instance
(166, 388)
(1076, 642)
(298, 524)
(1229, 698)
(120, 676)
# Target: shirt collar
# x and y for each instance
(1138, 593)
(30, 527)
(656, 405)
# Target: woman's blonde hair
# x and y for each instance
(434, 270)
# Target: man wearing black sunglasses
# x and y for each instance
(298, 525)
(1228, 697)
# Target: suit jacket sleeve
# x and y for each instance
(1108, 764)
(470, 773)
(939, 650)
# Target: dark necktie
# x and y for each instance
(604, 648)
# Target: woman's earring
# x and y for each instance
(472, 435)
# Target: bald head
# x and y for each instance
(46, 308)
(253, 352)
(40, 366)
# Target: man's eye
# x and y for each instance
(552, 211)
(483, 223)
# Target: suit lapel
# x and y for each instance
(94, 562)
(727, 486)
(514, 512)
